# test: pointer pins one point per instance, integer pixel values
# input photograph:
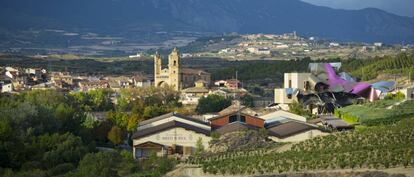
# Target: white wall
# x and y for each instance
(281, 97)
(7, 88)
(177, 136)
(297, 79)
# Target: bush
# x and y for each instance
(61, 169)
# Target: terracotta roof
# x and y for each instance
(289, 128)
(168, 115)
(234, 127)
(167, 126)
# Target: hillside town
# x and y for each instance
(197, 88)
(291, 46)
(320, 91)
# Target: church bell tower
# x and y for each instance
(174, 69)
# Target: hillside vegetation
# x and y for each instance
(369, 69)
(373, 147)
(376, 113)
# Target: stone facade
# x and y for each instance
(175, 76)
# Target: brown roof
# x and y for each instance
(235, 127)
(289, 128)
(167, 126)
(149, 144)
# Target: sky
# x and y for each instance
(399, 7)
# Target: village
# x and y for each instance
(320, 92)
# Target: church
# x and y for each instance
(174, 75)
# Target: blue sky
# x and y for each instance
(399, 7)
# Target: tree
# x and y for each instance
(102, 164)
(199, 146)
(298, 108)
(116, 135)
(212, 103)
(153, 111)
(247, 100)
(133, 122)
(215, 137)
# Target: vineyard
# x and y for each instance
(373, 147)
(365, 115)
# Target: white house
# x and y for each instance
(170, 134)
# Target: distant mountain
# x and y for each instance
(242, 16)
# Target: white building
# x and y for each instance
(378, 44)
(170, 134)
(334, 44)
(296, 80)
(138, 55)
(6, 87)
(293, 83)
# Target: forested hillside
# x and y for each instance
(268, 71)
(369, 69)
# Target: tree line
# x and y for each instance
(50, 133)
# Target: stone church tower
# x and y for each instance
(174, 69)
(157, 64)
(170, 75)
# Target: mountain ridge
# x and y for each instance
(220, 16)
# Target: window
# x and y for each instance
(290, 83)
(242, 119)
(175, 63)
(233, 118)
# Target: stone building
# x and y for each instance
(174, 75)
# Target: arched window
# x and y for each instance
(175, 63)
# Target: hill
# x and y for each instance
(378, 147)
(129, 17)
